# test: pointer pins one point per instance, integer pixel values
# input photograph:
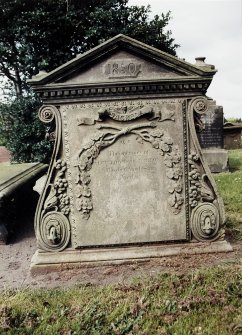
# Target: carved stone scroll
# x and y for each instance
(207, 211)
(51, 220)
(54, 232)
(205, 222)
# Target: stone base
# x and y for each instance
(69, 258)
(217, 159)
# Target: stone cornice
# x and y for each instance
(179, 87)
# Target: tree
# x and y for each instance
(24, 134)
(43, 34)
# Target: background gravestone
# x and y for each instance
(211, 138)
(127, 178)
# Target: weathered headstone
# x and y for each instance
(210, 134)
(127, 174)
(232, 135)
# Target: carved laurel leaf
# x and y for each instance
(52, 199)
(177, 172)
(167, 139)
(170, 173)
(76, 177)
(168, 161)
(79, 204)
(78, 191)
(164, 147)
(86, 191)
(157, 133)
(85, 178)
(171, 186)
(175, 154)
(172, 200)
(156, 143)
(179, 199)
(178, 186)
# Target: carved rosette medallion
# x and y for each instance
(200, 105)
(47, 113)
(158, 138)
(205, 222)
(54, 232)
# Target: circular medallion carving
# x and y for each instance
(200, 105)
(54, 232)
(205, 222)
(47, 114)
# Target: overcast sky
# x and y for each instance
(213, 29)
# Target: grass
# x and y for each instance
(230, 188)
(201, 302)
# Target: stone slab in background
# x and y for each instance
(217, 159)
(15, 179)
(210, 133)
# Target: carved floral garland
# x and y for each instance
(58, 197)
(159, 140)
(199, 190)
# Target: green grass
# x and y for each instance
(202, 302)
(235, 159)
(230, 188)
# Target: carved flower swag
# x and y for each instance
(158, 138)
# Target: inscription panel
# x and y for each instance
(126, 177)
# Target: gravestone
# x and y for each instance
(211, 138)
(127, 178)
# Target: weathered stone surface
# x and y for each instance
(127, 167)
(43, 261)
(121, 161)
(217, 159)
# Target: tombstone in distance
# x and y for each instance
(127, 174)
(211, 138)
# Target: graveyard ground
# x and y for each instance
(188, 295)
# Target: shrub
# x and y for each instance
(22, 132)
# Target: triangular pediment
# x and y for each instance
(121, 59)
(122, 65)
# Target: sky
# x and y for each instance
(211, 29)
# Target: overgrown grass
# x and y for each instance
(230, 188)
(203, 302)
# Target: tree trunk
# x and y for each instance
(18, 85)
